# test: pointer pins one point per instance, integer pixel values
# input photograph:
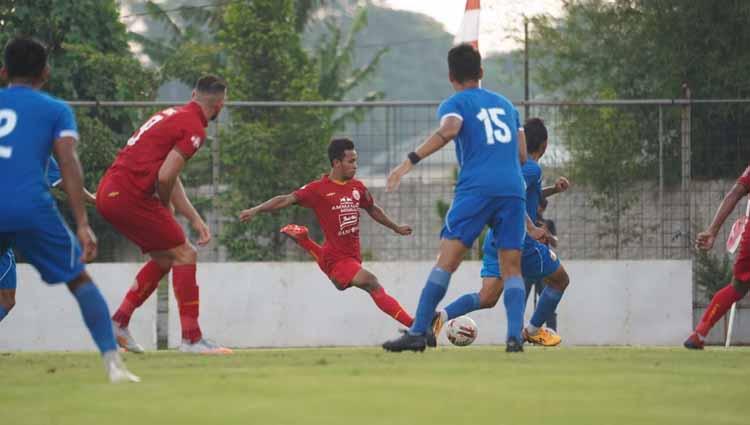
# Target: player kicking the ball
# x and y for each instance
(135, 196)
(740, 284)
(336, 199)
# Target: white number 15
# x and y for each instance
(491, 119)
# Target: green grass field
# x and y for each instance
(481, 385)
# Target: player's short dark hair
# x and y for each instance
(536, 134)
(338, 147)
(211, 84)
(464, 63)
(25, 57)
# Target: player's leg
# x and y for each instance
(301, 236)
(509, 230)
(7, 283)
(464, 222)
(487, 297)
(151, 226)
(368, 282)
(146, 282)
(722, 301)
(54, 251)
(186, 292)
(548, 269)
(419, 335)
(514, 297)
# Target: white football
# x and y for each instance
(461, 331)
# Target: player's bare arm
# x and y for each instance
(523, 155)
(184, 207)
(706, 238)
(448, 131)
(72, 182)
(561, 185)
(276, 203)
(536, 232)
(378, 214)
(168, 173)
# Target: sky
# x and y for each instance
(501, 21)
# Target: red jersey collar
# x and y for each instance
(326, 177)
(194, 107)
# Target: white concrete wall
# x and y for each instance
(293, 304)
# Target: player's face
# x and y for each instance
(348, 164)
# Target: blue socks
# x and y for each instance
(546, 306)
(514, 298)
(96, 315)
(465, 304)
(434, 291)
(3, 313)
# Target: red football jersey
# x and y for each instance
(138, 163)
(745, 178)
(336, 205)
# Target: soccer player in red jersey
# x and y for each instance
(136, 195)
(336, 199)
(740, 284)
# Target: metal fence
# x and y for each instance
(646, 202)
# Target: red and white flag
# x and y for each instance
(469, 31)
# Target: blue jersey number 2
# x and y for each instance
(8, 120)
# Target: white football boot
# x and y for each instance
(116, 370)
(203, 346)
(126, 340)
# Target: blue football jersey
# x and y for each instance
(30, 121)
(532, 174)
(487, 144)
(53, 172)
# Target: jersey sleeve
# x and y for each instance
(189, 140)
(54, 177)
(366, 200)
(65, 126)
(532, 174)
(449, 108)
(306, 196)
(745, 178)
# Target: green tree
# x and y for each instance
(267, 151)
(648, 49)
(90, 60)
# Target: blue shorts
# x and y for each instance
(537, 262)
(469, 213)
(7, 270)
(46, 242)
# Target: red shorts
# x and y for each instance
(142, 219)
(742, 261)
(341, 271)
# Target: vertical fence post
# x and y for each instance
(162, 314)
(685, 157)
(662, 227)
(215, 170)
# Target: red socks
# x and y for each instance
(391, 307)
(186, 293)
(720, 303)
(146, 282)
(315, 250)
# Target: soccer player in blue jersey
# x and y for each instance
(490, 148)
(538, 262)
(8, 261)
(32, 126)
